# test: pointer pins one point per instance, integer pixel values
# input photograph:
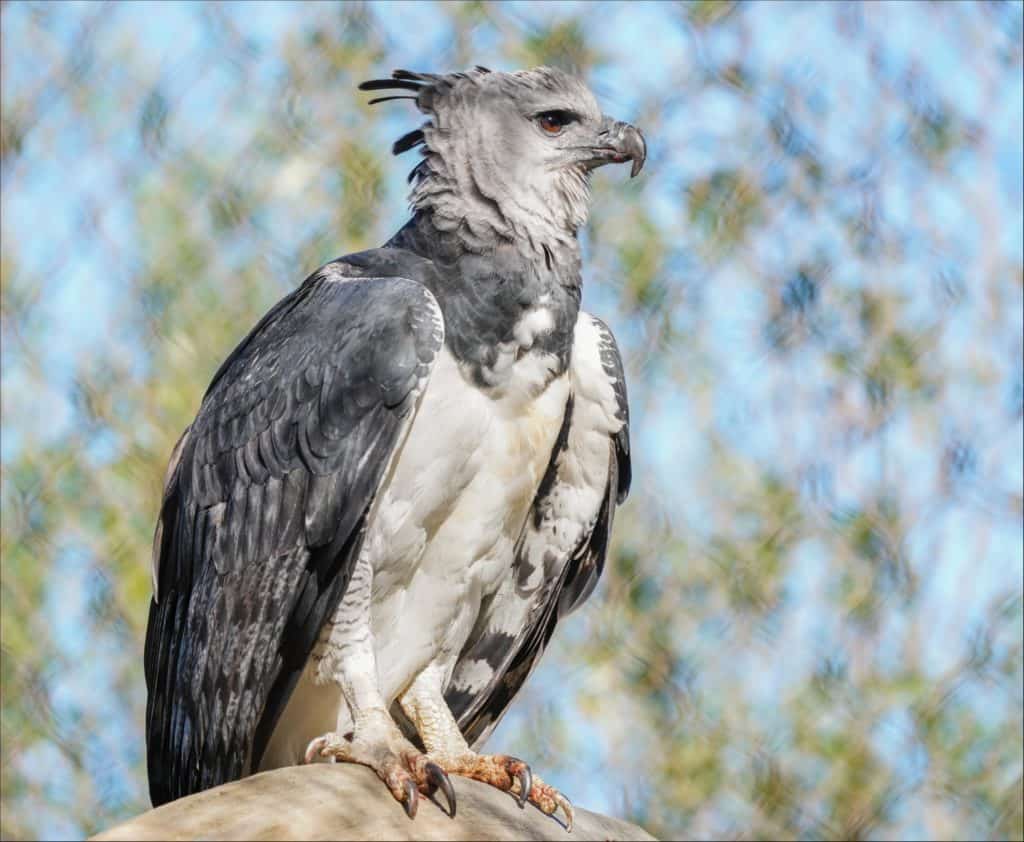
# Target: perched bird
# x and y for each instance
(405, 475)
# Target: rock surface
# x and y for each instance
(344, 801)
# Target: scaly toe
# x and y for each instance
(515, 777)
(548, 800)
(404, 771)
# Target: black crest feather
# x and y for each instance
(408, 74)
(389, 84)
(407, 142)
(377, 99)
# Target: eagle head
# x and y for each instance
(508, 154)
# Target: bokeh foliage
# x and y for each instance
(811, 622)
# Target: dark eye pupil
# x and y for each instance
(553, 121)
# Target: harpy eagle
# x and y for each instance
(405, 475)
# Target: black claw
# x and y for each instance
(438, 779)
(411, 800)
(525, 784)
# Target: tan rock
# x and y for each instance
(348, 802)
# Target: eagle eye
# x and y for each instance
(553, 122)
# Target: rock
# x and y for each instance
(343, 801)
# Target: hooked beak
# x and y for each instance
(619, 142)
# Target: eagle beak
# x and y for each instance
(621, 142)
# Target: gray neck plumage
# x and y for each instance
(491, 287)
(479, 201)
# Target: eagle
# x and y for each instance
(405, 475)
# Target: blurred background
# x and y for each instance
(810, 625)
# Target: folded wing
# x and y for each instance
(264, 510)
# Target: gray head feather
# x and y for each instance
(508, 155)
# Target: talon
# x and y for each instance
(566, 806)
(438, 779)
(411, 801)
(315, 747)
(525, 777)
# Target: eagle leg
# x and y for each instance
(365, 732)
(424, 704)
(377, 743)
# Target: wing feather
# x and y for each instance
(264, 511)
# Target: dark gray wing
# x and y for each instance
(264, 512)
(562, 549)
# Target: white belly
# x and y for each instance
(443, 538)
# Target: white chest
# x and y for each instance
(444, 533)
(471, 464)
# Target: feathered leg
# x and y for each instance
(345, 655)
(425, 706)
